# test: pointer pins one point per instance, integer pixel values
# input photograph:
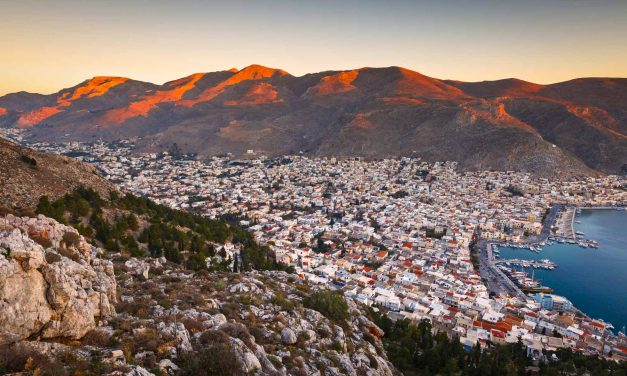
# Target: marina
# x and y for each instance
(589, 273)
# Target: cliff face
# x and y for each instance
(371, 112)
(52, 283)
(26, 175)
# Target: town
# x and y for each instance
(405, 235)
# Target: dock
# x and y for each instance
(566, 224)
(542, 264)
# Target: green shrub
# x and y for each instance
(330, 303)
(215, 358)
(369, 338)
(281, 300)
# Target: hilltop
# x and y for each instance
(26, 175)
(578, 127)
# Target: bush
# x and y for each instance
(281, 300)
(138, 308)
(28, 160)
(330, 303)
(71, 239)
(369, 338)
(193, 326)
(197, 261)
(97, 338)
(215, 360)
(21, 357)
(237, 330)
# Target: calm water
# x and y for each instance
(595, 280)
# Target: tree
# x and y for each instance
(236, 264)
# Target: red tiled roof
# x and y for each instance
(497, 333)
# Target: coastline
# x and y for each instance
(564, 224)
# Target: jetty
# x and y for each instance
(542, 264)
(566, 224)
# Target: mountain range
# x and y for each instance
(577, 127)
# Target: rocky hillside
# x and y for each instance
(257, 322)
(569, 127)
(167, 320)
(26, 175)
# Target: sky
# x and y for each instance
(48, 45)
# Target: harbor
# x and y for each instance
(594, 280)
(558, 229)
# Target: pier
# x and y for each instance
(566, 224)
(542, 264)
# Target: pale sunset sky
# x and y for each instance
(49, 45)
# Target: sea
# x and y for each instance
(594, 280)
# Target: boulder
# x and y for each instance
(56, 292)
(139, 268)
(288, 336)
(179, 332)
(246, 359)
(139, 371)
(167, 367)
(218, 319)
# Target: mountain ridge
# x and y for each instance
(579, 126)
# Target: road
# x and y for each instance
(497, 281)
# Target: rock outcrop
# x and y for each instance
(52, 282)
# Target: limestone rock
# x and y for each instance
(178, 331)
(138, 267)
(218, 319)
(288, 336)
(245, 358)
(139, 371)
(167, 367)
(56, 292)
